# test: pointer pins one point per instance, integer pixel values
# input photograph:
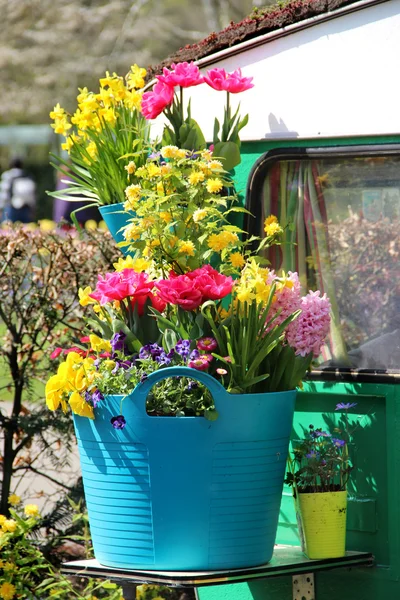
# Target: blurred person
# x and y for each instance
(17, 193)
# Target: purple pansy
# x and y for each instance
(183, 348)
(118, 422)
(338, 443)
(118, 342)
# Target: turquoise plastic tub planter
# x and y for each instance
(185, 493)
(115, 218)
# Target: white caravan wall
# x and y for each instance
(336, 78)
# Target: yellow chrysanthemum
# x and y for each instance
(196, 177)
(31, 510)
(153, 170)
(80, 407)
(214, 185)
(141, 172)
(216, 165)
(130, 168)
(98, 344)
(169, 151)
(271, 219)
(2, 519)
(132, 232)
(217, 242)
(166, 169)
(9, 525)
(272, 229)
(206, 154)
(199, 214)
(229, 236)
(135, 77)
(181, 153)
(166, 216)
(7, 591)
(133, 193)
(13, 499)
(236, 260)
(148, 222)
(84, 297)
(10, 567)
(186, 247)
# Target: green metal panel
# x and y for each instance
(374, 514)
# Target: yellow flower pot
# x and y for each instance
(322, 523)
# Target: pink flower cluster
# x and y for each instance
(307, 333)
(188, 75)
(192, 289)
(287, 299)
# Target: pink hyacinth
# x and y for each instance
(183, 74)
(234, 82)
(154, 102)
(307, 333)
(120, 285)
(287, 299)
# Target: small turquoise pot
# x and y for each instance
(184, 493)
(115, 218)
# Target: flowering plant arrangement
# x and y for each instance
(106, 127)
(321, 461)
(264, 340)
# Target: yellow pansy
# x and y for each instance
(13, 499)
(31, 510)
(54, 390)
(186, 247)
(98, 344)
(80, 407)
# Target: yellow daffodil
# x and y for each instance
(84, 297)
(57, 112)
(135, 77)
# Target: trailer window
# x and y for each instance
(342, 223)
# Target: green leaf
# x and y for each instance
(229, 154)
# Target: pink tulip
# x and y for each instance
(213, 285)
(234, 82)
(120, 285)
(153, 103)
(180, 291)
(183, 74)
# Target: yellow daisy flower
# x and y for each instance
(7, 591)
